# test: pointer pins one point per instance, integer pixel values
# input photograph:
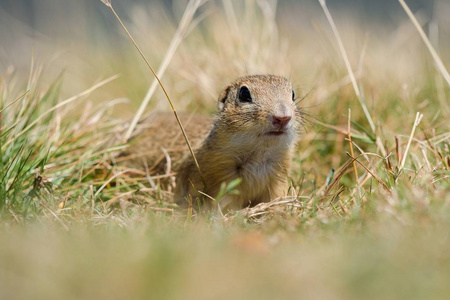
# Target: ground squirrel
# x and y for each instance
(251, 137)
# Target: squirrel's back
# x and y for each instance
(159, 136)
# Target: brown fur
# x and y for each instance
(237, 146)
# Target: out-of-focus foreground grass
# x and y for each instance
(74, 225)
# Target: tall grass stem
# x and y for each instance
(419, 117)
(430, 47)
(349, 137)
(162, 87)
(351, 74)
(181, 32)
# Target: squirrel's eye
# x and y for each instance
(244, 95)
(293, 95)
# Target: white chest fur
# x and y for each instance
(259, 171)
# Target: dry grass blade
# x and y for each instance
(14, 101)
(374, 175)
(419, 117)
(338, 176)
(107, 2)
(341, 46)
(107, 182)
(351, 74)
(278, 206)
(349, 137)
(430, 47)
(65, 102)
(347, 63)
(182, 29)
(55, 216)
(162, 87)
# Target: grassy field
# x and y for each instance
(75, 225)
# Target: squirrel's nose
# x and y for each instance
(280, 121)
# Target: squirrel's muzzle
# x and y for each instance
(281, 118)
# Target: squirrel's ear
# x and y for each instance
(222, 98)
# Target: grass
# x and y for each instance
(368, 211)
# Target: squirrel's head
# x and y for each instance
(259, 106)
